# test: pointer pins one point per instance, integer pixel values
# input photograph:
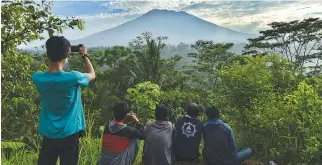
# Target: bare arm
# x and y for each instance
(88, 65)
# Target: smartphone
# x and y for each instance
(76, 48)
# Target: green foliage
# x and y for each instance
(303, 107)
(176, 100)
(124, 67)
(19, 101)
(268, 113)
(25, 21)
(209, 58)
(107, 110)
(272, 106)
(144, 98)
(112, 55)
(12, 145)
(297, 41)
(22, 22)
(147, 50)
(254, 76)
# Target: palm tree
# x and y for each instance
(147, 50)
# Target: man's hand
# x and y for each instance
(88, 65)
(83, 50)
(134, 117)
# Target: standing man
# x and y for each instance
(188, 135)
(61, 116)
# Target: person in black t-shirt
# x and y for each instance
(188, 133)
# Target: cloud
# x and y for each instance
(244, 16)
(250, 17)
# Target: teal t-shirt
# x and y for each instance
(61, 112)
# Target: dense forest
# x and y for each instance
(270, 93)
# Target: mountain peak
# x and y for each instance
(163, 11)
(179, 26)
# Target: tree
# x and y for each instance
(140, 62)
(19, 98)
(209, 58)
(297, 41)
(144, 98)
(147, 50)
(252, 77)
(25, 21)
(170, 77)
(111, 56)
(22, 22)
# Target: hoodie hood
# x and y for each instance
(113, 127)
(189, 117)
(159, 124)
(213, 121)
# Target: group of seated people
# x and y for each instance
(165, 142)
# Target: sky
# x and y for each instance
(243, 16)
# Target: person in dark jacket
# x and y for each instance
(120, 142)
(188, 135)
(157, 148)
(219, 143)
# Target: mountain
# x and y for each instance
(177, 26)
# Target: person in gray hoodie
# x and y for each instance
(157, 148)
(120, 142)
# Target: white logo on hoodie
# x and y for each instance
(189, 129)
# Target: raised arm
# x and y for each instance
(139, 132)
(88, 65)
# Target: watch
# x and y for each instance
(85, 55)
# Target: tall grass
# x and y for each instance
(89, 149)
(89, 153)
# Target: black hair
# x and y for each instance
(162, 112)
(120, 110)
(212, 112)
(58, 47)
(192, 109)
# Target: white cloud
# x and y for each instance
(245, 16)
(253, 19)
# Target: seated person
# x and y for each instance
(219, 144)
(157, 148)
(120, 142)
(188, 135)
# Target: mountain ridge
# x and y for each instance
(179, 26)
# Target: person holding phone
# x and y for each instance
(62, 119)
(120, 142)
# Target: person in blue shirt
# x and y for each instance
(61, 117)
(219, 143)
